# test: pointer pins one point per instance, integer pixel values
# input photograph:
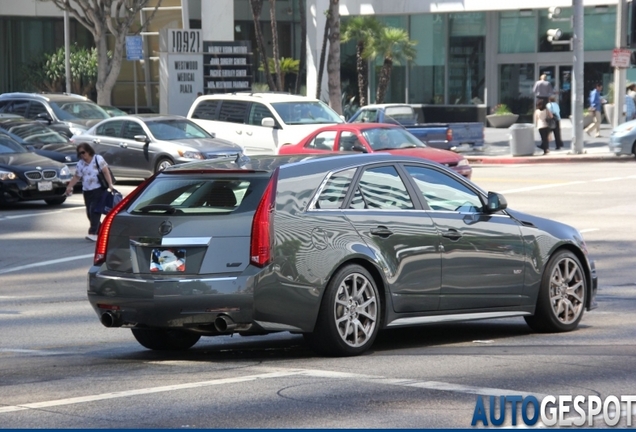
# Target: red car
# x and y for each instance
(375, 137)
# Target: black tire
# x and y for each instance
(165, 340)
(349, 318)
(562, 296)
(55, 201)
(162, 164)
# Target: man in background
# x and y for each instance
(543, 89)
(596, 104)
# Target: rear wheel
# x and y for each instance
(561, 300)
(349, 317)
(165, 340)
(162, 164)
(55, 201)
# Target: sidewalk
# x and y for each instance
(497, 148)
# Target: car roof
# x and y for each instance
(53, 97)
(146, 117)
(358, 126)
(387, 105)
(271, 97)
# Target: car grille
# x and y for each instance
(41, 175)
(220, 155)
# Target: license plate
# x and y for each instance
(45, 186)
(168, 260)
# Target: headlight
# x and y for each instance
(65, 172)
(7, 175)
(463, 162)
(76, 130)
(191, 154)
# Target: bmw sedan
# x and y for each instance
(376, 137)
(336, 247)
(27, 176)
(137, 146)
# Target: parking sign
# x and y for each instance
(134, 49)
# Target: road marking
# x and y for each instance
(538, 187)
(45, 263)
(35, 214)
(589, 230)
(36, 352)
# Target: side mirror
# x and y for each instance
(142, 138)
(44, 116)
(268, 122)
(496, 202)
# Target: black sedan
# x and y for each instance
(27, 176)
(334, 247)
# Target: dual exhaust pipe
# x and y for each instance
(222, 323)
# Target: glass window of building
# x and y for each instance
(515, 88)
(599, 28)
(427, 71)
(513, 28)
(466, 57)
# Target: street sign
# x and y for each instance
(621, 58)
(134, 48)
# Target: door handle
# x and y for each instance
(239, 132)
(123, 145)
(381, 231)
(249, 133)
(452, 234)
(95, 141)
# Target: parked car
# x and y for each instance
(376, 137)
(137, 146)
(336, 247)
(261, 122)
(113, 111)
(26, 176)
(447, 136)
(623, 139)
(41, 139)
(68, 114)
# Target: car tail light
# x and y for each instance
(262, 225)
(449, 134)
(101, 247)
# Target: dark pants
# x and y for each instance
(557, 135)
(544, 133)
(91, 199)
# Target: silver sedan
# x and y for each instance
(623, 139)
(137, 146)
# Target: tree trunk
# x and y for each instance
(323, 53)
(363, 74)
(257, 7)
(333, 62)
(272, 16)
(303, 46)
(383, 82)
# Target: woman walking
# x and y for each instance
(88, 167)
(541, 116)
(555, 110)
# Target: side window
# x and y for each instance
(18, 107)
(347, 141)
(110, 129)
(368, 116)
(131, 129)
(206, 110)
(442, 192)
(323, 141)
(233, 112)
(335, 190)
(257, 113)
(35, 109)
(4, 105)
(383, 188)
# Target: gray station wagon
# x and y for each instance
(336, 247)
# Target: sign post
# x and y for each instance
(134, 52)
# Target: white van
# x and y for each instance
(261, 123)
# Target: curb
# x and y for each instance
(498, 160)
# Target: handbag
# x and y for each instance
(107, 201)
(552, 123)
(101, 178)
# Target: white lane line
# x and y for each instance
(276, 373)
(539, 187)
(45, 263)
(36, 352)
(34, 214)
(589, 230)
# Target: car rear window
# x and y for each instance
(200, 195)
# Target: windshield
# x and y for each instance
(170, 130)
(7, 145)
(78, 110)
(311, 112)
(390, 138)
(37, 133)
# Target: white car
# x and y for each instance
(261, 123)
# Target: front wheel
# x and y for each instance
(349, 317)
(562, 295)
(162, 164)
(165, 340)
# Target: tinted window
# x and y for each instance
(233, 112)
(34, 132)
(169, 130)
(443, 192)
(335, 190)
(110, 129)
(131, 129)
(78, 110)
(206, 110)
(36, 108)
(4, 105)
(323, 141)
(9, 146)
(257, 113)
(310, 112)
(390, 138)
(367, 116)
(18, 107)
(382, 188)
(347, 141)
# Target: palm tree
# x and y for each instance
(272, 15)
(257, 6)
(333, 59)
(303, 46)
(323, 53)
(286, 65)
(394, 46)
(364, 30)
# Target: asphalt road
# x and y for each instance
(59, 368)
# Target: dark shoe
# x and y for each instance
(545, 152)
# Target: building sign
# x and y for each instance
(183, 41)
(227, 66)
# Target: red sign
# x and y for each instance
(620, 58)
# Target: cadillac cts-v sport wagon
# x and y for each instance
(336, 247)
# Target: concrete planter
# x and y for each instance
(588, 118)
(609, 112)
(502, 120)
